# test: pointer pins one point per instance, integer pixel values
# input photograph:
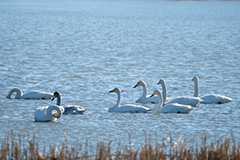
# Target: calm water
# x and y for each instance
(86, 48)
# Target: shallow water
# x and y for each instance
(86, 48)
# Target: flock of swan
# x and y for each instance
(47, 113)
(164, 104)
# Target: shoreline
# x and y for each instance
(25, 147)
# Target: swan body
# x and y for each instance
(71, 109)
(128, 108)
(193, 101)
(30, 95)
(215, 98)
(169, 108)
(48, 113)
(145, 98)
(209, 98)
(68, 109)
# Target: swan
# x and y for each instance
(164, 88)
(169, 108)
(128, 108)
(209, 98)
(145, 98)
(193, 101)
(69, 109)
(48, 113)
(29, 95)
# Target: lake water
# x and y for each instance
(86, 48)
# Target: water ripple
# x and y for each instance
(86, 48)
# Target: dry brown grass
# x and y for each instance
(20, 147)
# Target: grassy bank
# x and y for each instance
(25, 147)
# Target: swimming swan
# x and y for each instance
(169, 108)
(69, 109)
(209, 98)
(48, 113)
(193, 101)
(164, 88)
(128, 108)
(145, 98)
(30, 95)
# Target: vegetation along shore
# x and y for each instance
(26, 147)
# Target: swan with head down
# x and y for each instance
(68, 109)
(145, 98)
(169, 108)
(209, 98)
(48, 113)
(193, 101)
(127, 108)
(29, 95)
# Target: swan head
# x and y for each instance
(55, 111)
(140, 83)
(55, 115)
(117, 90)
(195, 78)
(55, 95)
(156, 92)
(161, 81)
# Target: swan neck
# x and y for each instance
(196, 88)
(119, 99)
(18, 91)
(164, 87)
(58, 99)
(160, 103)
(144, 95)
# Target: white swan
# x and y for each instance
(145, 98)
(68, 109)
(48, 113)
(30, 95)
(209, 98)
(193, 101)
(128, 108)
(169, 108)
(164, 88)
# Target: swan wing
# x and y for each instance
(41, 115)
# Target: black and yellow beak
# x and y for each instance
(152, 94)
(112, 91)
(136, 85)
